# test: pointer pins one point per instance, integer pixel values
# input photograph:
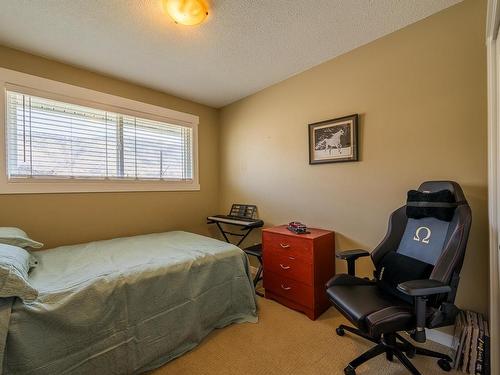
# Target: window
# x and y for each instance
(52, 139)
(59, 138)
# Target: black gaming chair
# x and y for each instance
(416, 277)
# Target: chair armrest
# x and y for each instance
(420, 288)
(350, 256)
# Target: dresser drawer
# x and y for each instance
(288, 266)
(290, 289)
(283, 245)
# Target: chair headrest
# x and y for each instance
(434, 186)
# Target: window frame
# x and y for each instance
(37, 86)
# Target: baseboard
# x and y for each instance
(440, 337)
(436, 336)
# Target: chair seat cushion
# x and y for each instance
(390, 319)
(358, 298)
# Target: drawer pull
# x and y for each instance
(285, 287)
(284, 267)
(284, 245)
(291, 258)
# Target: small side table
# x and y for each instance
(297, 267)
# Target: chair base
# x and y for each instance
(392, 344)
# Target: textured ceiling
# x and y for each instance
(244, 46)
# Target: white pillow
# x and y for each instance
(14, 268)
(17, 237)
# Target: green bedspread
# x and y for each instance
(125, 305)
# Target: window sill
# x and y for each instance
(92, 186)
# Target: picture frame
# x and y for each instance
(334, 140)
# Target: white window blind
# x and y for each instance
(58, 140)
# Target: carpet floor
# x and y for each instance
(286, 342)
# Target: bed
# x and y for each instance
(125, 305)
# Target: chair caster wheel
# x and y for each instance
(410, 353)
(340, 332)
(444, 364)
(349, 370)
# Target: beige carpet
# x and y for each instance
(286, 342)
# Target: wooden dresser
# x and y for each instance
(297, 267)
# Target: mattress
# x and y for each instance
(124, 305)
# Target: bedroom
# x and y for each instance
(248, 81)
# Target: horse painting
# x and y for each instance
(332, 142)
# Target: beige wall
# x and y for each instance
(421, 94)
(57, 219)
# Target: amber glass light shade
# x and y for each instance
(186, 12)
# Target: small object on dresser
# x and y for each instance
(297, 227)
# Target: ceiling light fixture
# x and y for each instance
(186, 12)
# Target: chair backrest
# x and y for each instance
(433, 247)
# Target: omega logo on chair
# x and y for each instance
(425, 239)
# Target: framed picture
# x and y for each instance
(334, 140)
